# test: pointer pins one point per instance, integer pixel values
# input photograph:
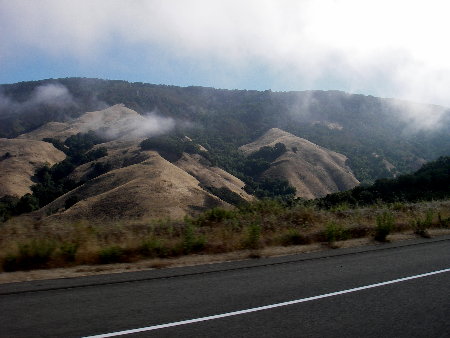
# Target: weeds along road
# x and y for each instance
(327, 294)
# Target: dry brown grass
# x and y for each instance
(314, 171)
(28, 244)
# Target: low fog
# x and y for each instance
(383, 48)
(53, 95)
(120, 122)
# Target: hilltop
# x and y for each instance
(313, 170)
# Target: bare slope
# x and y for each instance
(154, 188)
(116, 121)
(314, 171)
(212, 176)
(121, 153)
(18, 161)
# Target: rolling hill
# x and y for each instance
(115, 149)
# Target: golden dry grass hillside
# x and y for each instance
(212, 176)
(152, 189)
(313, 170)
(19, 159)
(116, 121)
(139, 184)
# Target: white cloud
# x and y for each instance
(390, 48)
(52, 94)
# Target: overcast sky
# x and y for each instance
(383, 48)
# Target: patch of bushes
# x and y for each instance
(68, 251)
(111, 254)
(253, 238)
(335, 232)
(385, 225)
(31, 255)
(294, 237)
(443, 222)
(192, 242)
(154, 248)
(226, 195)
(214, 215)
(170, 147)
(420, 226)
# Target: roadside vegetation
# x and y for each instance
(413, 203)
(26, 244)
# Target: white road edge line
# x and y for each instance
(262, 308)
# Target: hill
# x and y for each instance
(380, 137)
(19, 159)
(152, 189)
(314, 171)
(221, 147)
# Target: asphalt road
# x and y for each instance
(417, 307)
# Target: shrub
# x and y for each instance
(191, 241)
(68, 251)
(32, 255)
(226, 195)
(154, 248)
(444, 222)
(72, 200)
(253, 239)
(421, 226)
(294, 237)
(385, 224)
(112, 254)
(214, 215)
(335, 232)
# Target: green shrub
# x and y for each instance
(399, 206)
(154, 248)
(335, 232)
(68, 251)
(253, 238)
(112, 254)
(226, 195)
(421, 226)
(72, 200)
(294, 237)
(32, 255)
(443, 222)
(385, 224)
(11, 263)
(214, 215)
(191, 241)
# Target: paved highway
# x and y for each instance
(389, 290)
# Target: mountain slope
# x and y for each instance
(314, 171)
(18, 161)
(154, 188)
(366, 129)
(115, 122)
(210, 176)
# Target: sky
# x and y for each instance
(383, 48)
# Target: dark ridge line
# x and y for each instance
(220, 270)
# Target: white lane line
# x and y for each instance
(262, 308)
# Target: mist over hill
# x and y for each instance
(380, 137)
